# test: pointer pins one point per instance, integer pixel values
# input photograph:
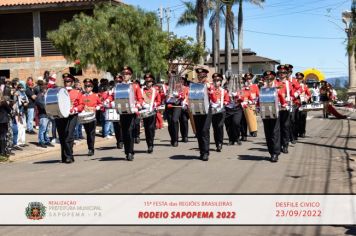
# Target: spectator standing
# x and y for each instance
(31, 105)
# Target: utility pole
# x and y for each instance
(160, 13)
(168, 17)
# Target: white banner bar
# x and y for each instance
(178, 209)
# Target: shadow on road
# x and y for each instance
(183, 157)
(259, 149)
(47, 162)
(105, 148)
(80, 155)
(328, 146)
(109, 159)
(252, 158)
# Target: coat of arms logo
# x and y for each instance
(35, 211)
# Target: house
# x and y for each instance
(251, 62)
(24, 48)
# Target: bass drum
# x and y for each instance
(251, 118)
(269, 105)
(125, 99)
(57, 102)
(198, 99)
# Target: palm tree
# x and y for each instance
(215, 20)
(195, 14)
(240, 34)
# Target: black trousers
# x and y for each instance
(137, 127)
(150, 129)
(173, 115)
(202, 125)
(65, 127)
(301, 122)
(273, 135)
(118, 132)
(218, 120)
(90, 131)
(128, 122)
(243, 125)
(233, 123)
(183, 123)
(3, 131)
(285, 127)
(293, 133)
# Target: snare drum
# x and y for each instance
(125, 99)
(86, 117)
(269, 104)
(198, 99)
(57, 102)
(111, 115)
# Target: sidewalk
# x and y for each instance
(33, 151)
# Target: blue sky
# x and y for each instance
(311, 31)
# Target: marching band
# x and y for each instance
(279, 99)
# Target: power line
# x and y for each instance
(289, 13)
(292, 36)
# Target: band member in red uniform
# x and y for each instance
(218, 119)
(254, 90)
(117, 125)
(151, 98)
(288, 91)
(246, 100)
(304, 97)
(234, 114)
(128, 120)
(66, 126)
(184, 115)
(272, 126)
(203, 122)
(174, 104)
(92, 103)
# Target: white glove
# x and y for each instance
(296, 94)
(214, 105)
(175, 94)
(234, 94)
(112, 104)
(97, 108)
(146, 106)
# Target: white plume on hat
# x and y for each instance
(39, 78)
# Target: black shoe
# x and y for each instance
(49, 145)
(205, 157)
(150, 149)
(42, 145)
(294, 141)
(69, 161)
(130, 157)
(91, 152)
(120, 145)
(32, 132)
(6, 155)
(254, 134)
(239, 142)
(137, 140)
(285, 149)
(302, 135)
(231, 143)
(274, 158)
(185, 139)
(244, 138)
(175, 144)
(219, 147)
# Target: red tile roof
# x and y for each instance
(4, 3)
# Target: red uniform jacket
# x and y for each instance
(147, 94)
(304, 91)
(92, 100)
(255, 91)
(76, 101)
(222, 94)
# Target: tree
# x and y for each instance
(196, 14)
(240, 33)
(183, 53)
(113, 37)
